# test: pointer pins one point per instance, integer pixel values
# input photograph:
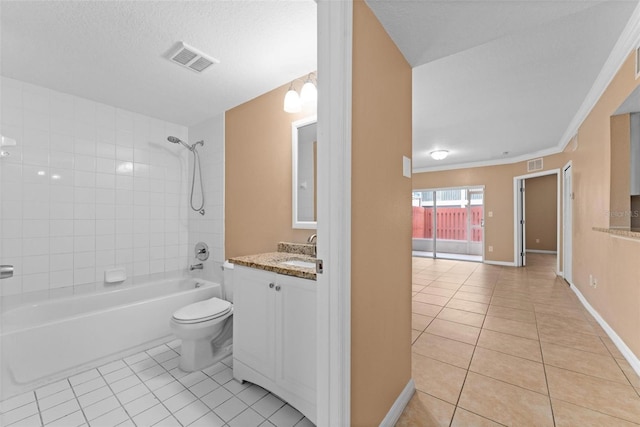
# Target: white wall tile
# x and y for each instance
(89, 188)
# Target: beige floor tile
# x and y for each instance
(425, 309)
(461, 316)
(512, 303)
(612, 347)
(513, 370)
(431, 299)
(568, 415)
(599, 395)
(424, 410)
(510, 344)
(468, 296)
(437, 378)
(512, 314)
(505, 403)
(476, 290)
(464, 418)
(455, 331)
(513, 327)
(631, 375)
(567, 312)
(414, 335)
(420, 322)
(584, 342)
(453, 278)
(472, 306)
(438, 291)
(421, 281)
(445, 285)
(444, 349)
(567, 323)
(584, 362)
(417, 288)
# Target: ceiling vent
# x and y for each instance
(534, 165)
(192, 58)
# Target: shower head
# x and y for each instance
(179, 141)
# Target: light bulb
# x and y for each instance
(292, 102)
(439, 154)
(309, 93)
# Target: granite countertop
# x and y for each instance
(271, 261)
(633, 233)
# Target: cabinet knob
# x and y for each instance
(278, 288)
(271, 285)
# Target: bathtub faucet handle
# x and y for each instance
(195, 267)
(6, 271)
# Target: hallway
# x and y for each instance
(504, 346)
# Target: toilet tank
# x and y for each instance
(227, 281)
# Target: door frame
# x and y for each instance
(518, 240)
(335, 40)
(567, 227)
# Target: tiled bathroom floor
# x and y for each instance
(148, 389)
(503, 346)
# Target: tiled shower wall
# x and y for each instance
(209, 228)
(87, 187)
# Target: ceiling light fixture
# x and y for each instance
(308, 97)
(439, 154)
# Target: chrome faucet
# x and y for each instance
(312, 239)
(195, 267)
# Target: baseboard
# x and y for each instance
(398, 406)
(540, 251)
(503, 263)
(633, 360)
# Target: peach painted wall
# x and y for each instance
(620, 183)
(258, 176)
(541, 213)
(612, 260)
(380, 221)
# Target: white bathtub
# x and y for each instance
(44, 342)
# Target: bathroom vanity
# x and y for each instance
(274, 330)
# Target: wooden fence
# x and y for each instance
(452, 223)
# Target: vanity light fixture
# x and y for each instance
(293, 102)
(439, 154)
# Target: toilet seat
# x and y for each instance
(202, 311)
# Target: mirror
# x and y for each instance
(304, 160)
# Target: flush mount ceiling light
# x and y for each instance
(439, 154)
(293, 102)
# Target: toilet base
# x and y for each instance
(197, 354)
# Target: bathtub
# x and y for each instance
(47, 341)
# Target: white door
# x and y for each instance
(521, 245)
(567, 223)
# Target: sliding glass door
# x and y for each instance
(448, 223)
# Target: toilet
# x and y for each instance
(205, 328)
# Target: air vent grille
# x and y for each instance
(192, 58)
(534, 165)
(637, 62)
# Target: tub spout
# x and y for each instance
(195, 267)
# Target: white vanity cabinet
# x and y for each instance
(274, 335)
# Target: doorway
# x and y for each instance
(448, 223)
(567, 224)
(537, 218)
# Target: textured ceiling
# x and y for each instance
(492, 77)
(115, 51)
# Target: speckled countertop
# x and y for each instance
(633, 233)
(271, 261)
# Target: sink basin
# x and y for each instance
(299, 263)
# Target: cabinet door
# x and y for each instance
(254, 319)
(296, 323)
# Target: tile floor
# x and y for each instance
(503, 346)
(148, 389)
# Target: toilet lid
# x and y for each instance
(202, 311)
